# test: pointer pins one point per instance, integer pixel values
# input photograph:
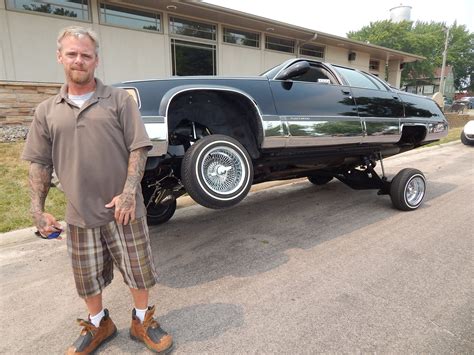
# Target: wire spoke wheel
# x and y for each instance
(217, 171)
(223, 170)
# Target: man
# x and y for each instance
(94, 138)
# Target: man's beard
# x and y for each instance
(80, 77)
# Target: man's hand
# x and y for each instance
(124, 204)
(46, 223)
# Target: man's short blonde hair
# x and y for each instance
(78, 32)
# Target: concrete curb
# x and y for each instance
(27, 234)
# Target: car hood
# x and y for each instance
(469, 127)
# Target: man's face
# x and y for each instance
(78, 57)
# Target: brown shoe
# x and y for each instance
(150, 332)
(92, 337)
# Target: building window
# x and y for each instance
(312, 51)
(280, 44)
(77, 9)
(374, 65)
(130, 18)
(242, 38)
(195, 29)
(190, 58)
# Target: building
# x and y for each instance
(429, 86)
(153, 39)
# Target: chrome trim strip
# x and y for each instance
(153, 119)
(381, 129)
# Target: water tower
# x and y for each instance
(400, 13)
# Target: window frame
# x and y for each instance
(197, 43)
(171, 33)
(105, 3)
(280, 38)
(226, 28)
(377, 69)
(40, 13)
(313, 45)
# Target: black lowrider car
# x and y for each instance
(214, 137)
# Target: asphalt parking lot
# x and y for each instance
(292, 269)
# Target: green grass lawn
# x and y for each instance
(15, 200)
(14, 192)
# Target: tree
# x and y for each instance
(425, 39)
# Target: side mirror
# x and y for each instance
(296, 69)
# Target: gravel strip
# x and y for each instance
(12, 133)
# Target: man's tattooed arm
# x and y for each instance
(136, 168)
(39, 179)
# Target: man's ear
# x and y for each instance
(59, 58)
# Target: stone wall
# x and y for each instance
(19, 99)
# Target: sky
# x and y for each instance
(337, 17)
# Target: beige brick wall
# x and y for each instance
(19, 99)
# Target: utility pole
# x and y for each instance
(442, 82)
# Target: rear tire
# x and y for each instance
(319, 180)
(157, 213)
(217, 171)
(408, 189)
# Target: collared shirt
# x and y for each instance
(89, 148)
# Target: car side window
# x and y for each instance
(358, 79)
(316, 75)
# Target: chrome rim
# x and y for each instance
(223, 170)
(415, 190)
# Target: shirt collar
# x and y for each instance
(101, 91)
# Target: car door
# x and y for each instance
(316, 110)
(379, 108)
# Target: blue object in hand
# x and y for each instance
(55, 234)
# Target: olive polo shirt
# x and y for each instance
(89, 148)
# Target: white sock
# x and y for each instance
(140, 313)
(97, 318)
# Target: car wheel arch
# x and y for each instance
(221, 110)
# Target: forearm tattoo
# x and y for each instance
(136, 168)
(39, 179)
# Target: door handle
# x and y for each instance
(346, 92)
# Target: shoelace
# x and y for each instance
(88, 327)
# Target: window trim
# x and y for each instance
(38, 13)
(172, 34)
(310, 56)
(276, 50)
(378, 65)
(215, 59)
(99, 13)
(259, 41)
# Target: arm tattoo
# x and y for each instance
(136, 168)
(39, 179)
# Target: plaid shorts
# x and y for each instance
(94, 252)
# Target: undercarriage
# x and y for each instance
(163, 182)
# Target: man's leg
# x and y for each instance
(140, 298)
(93, 270)
(133, 257)
(94, 304)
